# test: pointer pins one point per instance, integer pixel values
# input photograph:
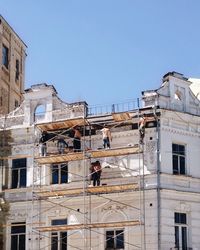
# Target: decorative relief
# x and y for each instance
(114, 207)
(18, 215)
(186, 133)
(150, 149)
(150, 146)
(37, 175)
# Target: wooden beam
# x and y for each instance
(64, 124)
(88, 190)
(89, 226)
(75, 156)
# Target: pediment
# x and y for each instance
(175, 93)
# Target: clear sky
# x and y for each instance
(106, 51)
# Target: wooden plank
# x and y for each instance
(10, 157)
(60, 158)
(75, 156)
(65, 124)
(119, 117)
(89, 226)
(115, 152)
(89, 190)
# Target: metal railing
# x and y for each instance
(114, 108)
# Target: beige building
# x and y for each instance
(12, 70)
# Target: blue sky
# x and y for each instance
(106, 51)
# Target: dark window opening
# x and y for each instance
(19, 173)
(16, 104)
(17, 70)
(114, 239)
(59, 174)
(180, 220)
(59, 239)
(5, 51)
(1, 101)
(178, 159)
(18, 236)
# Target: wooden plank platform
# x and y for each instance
(89, 226)
(64, 124)
(123, 116)
(88, 190)
(75, 156)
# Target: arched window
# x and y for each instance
(39, 113)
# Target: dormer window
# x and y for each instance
(177, 95)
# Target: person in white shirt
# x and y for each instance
(106, 136)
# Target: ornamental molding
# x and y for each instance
(180, 132)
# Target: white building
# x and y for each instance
(149, 197)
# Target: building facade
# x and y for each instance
(149, 193)
(12, 72)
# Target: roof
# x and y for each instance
(195, 86)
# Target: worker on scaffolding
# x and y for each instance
(96, 173)
(107, 138)
(43, 144)
(61, 145)
(142, 124)
(77, 139)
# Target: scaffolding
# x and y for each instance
(82, 191)
(85, 193)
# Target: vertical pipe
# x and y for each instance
(158, 181)
(143, 196)
(142, 190)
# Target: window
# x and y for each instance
(59, 239)
(59, 174)
(180, 231)
(114, 239)
(39, 113)
(17, 70)
(18, 236)
(16, 104)
(5, 56)
(178, 159)
(19, 173)
(177, 95)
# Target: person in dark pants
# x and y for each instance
(106, 136)
(77, 140)
(96, 173)
(43, 144)
(61, 145)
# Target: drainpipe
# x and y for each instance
(158, 178)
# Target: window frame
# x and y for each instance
(18, 236)
(17, 70)
(5, 56)
(59, 238)
(117, 234)
(59, 172)
(180, 231)
(19, 173)
(178, 159)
